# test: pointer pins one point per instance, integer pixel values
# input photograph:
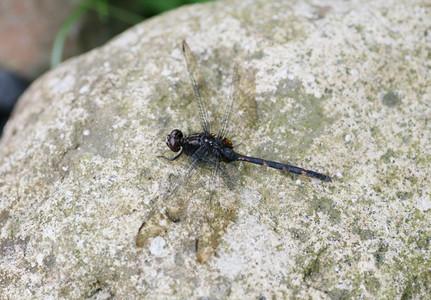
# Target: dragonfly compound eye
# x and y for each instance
(173, 140)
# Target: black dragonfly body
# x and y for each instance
(210, 148)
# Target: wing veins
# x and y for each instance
(192, 68)
(233, 88)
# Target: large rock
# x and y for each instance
(342, 88)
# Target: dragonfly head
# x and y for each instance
(174, 140)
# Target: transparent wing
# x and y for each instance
(229, 109)
(199, 88)
(168, 208)
(241, 111)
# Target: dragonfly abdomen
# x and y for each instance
(283, 167)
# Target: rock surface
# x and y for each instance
(341, 87)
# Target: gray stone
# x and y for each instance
(79, 173)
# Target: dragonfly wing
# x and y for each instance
(242, 107)
(199, 88)
(169, 208)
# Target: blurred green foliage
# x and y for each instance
(155, 7)
(129, 12)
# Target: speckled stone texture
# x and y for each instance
(341, 87)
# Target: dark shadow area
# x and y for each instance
(11, 87)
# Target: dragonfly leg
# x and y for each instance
(171, 159)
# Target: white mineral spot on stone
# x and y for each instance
(172, 234)
(166, 72)
(80, 244)
(86, 132)
(231, 266)
(84, 89)
(339, 175)
(65, 168)
(424, 203)
(354, 72)
(156, 246)
(176, 53)
(62, 85)
(39, 259)
(126, 39)
(298, 182)
(347, 138)
(163, 222)
(49, 232)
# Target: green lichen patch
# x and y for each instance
(364, 234)
(298, 117)
(372, 283)
(286, 27)
(339, 294)
(314, 265)
(404, 195)
(386, 158)
(324, 205)
(300, 234)
(391, 98)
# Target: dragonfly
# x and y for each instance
(211, 148)
(216, 148)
